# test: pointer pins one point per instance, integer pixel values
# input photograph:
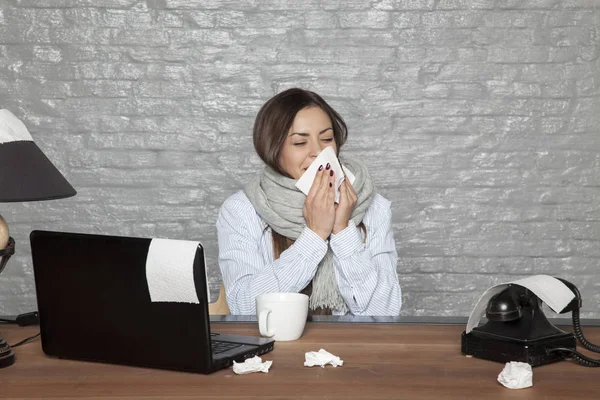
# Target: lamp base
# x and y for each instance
(7, 356)
(7, 249)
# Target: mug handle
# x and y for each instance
(262, 323)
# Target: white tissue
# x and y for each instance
(516, 375)
(254, 364)
(326, 156)
(321, 358)
(170, 270)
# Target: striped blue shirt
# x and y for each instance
(366, 272)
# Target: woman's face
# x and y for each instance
(310, 133)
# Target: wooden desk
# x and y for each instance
(381, 361)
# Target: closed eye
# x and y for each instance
(300, 144)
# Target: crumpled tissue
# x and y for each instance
(516, 375)
(321, 358)
(254, 364)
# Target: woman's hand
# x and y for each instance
(319, 210)
(344, 208)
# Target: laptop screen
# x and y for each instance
(94, 303)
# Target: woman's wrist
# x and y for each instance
(317, 231)
(347, 242)
(322, 234)
(338, 228)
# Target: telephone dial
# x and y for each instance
(517, 330)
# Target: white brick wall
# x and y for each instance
(479, 120)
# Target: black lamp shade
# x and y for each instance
(26, 174)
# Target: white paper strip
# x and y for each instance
(550, 290)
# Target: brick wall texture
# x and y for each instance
(479, 121)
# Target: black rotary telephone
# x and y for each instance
(517, 330)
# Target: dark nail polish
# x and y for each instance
(321, 168)
(331, 173)
(327, 166)
(330, 185)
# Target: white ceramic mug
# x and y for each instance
(282, 316)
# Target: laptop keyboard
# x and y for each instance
(220, 347)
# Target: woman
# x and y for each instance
(273, 238)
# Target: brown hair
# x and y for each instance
(276, 117)
(271, 128)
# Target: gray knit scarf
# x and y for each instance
(279, 203)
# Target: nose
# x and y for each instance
(315, 149)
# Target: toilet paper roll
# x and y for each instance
(170, 270)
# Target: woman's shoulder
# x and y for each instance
(238, 200)
(379, 209)
(238, 204)
(380, 203)
(238, 207)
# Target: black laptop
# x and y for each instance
(94, 304)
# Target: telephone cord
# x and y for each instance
(578, 357)
(579, 334)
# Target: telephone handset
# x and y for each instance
(518, 330)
